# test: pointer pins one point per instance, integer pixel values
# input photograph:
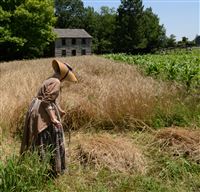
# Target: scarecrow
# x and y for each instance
(43, 129)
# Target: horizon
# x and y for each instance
(184, 23)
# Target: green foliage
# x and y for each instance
(129, 31)
(180, 113)
(154, 33)
(95, 23)
(178, 169)
(197, 40)
(171, 41)
(137, 29)
(177, 173)
(27, 173)
(183, 67)
(69, 13)
(125, 183)
(104, 36)
(26, 28)
(177, 116)
(105, 181)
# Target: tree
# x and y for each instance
(137, 30)
(101, 26)
(197, 40)
(129, 30)
(26, 28)
(90, 24)
(171, 41)
(154, 32)
(185, 42)
(90, 20)
(105, 29)
(69, 13)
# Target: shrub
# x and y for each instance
(27, 173)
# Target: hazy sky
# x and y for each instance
(179, 17)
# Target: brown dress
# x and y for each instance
(39, 132)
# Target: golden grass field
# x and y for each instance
(109, 111)
(106, 91)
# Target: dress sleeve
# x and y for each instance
(50, 92)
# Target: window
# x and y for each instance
(73, 52)
(73, 41)
(83, 52)
(63, 52)
(63, 42)
(83, 41)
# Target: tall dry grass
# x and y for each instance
(107, 94)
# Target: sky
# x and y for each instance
(179, 17)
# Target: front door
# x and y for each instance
(74, 52)
(63, 53)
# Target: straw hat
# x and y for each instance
(65, 70)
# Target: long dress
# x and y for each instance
(39, 132)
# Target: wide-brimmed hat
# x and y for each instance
(65, 70)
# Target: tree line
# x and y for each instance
(26, 27)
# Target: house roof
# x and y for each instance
(72, 33)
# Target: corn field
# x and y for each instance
(182, 67)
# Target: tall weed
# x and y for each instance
(27, 173)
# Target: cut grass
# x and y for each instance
(180, 142)
(116, 154)
(164, 171)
